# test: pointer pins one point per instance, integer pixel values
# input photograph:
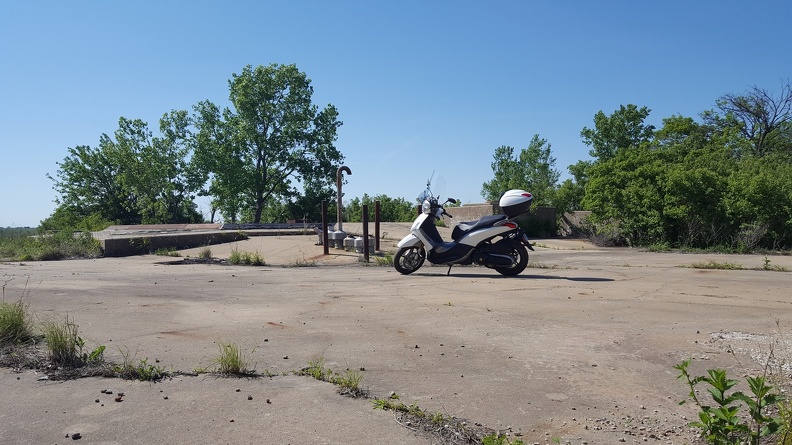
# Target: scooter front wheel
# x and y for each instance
(520, 255)
(409, 259)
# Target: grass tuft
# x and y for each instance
(168, 251)
(205, 253)
(64, 345)
(246, 258)
(15, 326)
(231, 361)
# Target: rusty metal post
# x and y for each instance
(377, 226)
(365, 233)
(325, 238)
(339, 205)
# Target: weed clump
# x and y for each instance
(15, 326)
(231, 360)
(245, 258)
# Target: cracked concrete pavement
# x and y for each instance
(579, 347)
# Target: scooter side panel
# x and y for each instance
(478, 236)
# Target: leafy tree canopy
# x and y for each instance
(132, 178)
(275, 136)
(532, 170)
(623, 129)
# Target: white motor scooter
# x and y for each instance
(493, 241)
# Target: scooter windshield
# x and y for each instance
(436, 190)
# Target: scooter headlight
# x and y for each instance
(426, 207)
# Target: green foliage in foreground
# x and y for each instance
(47, 247)
(720, 418)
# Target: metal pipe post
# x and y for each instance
(339, 205)
(377, 226)
(365, 233)
(325, 238)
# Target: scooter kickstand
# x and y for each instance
(449, 269)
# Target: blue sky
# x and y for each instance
(421, 86)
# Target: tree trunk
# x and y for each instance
(259, 208)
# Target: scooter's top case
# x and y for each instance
(515, 202)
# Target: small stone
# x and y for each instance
(268, 401)
(237, 390)
(76, 436)
(285, 357)
(119, 399)
(250, 397)
(165, 397)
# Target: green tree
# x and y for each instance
(274, 137)
(532, 170)
(623, 129)
(761, 117)
(570, 193)
(626, 190)
(759, 201)
(132, 179)
(391, 209)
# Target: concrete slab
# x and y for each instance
(580, 347)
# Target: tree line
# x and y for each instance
(270, 155)
(723, 180)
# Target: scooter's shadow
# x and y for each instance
(521, 277)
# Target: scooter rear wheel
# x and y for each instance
(409, 259)
(520, 254)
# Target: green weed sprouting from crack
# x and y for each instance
(538, 265)
(130, 369)
(721, 423)
(205, 253)
(304, 262)
(719, 265)
(231, 361)
(64, 344)
(15, 324)
(774, 267)
(348, 382)
(448, 428)
(384, 260)
(168, 251)
(725, 265)
(500, 439)
(245, 258)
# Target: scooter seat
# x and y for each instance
(465, 227)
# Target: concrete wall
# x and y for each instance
(148, 243)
